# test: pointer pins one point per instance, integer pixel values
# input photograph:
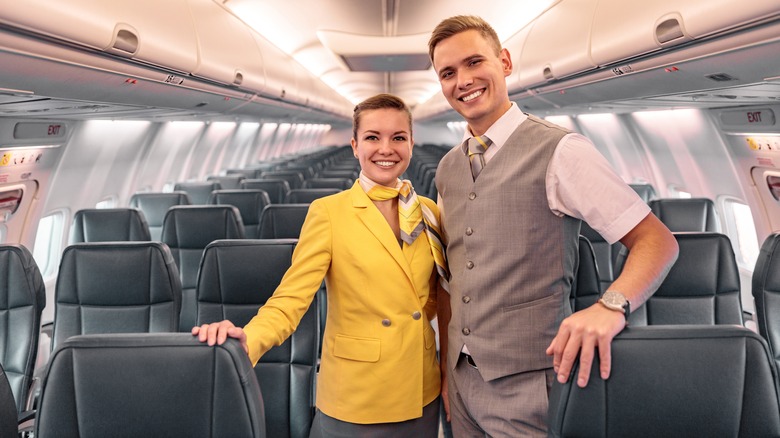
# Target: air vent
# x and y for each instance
(721, 77)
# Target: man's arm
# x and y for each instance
(653, 251)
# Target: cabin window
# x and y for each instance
(48, 242)
(773, 182)
(678, 192)
(742, 231)
(168, 187)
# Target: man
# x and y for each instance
(511, 207)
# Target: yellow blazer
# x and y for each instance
(378, 358)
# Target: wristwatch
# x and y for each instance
(616, 301)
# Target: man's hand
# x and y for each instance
(218, 332)
(582, 333)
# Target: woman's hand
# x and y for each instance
(218, 332)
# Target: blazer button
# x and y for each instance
(469, 231)
(416, 315)
(466, 299)
(469, 264)
(472, 196)
(386, 322)
(466, 331)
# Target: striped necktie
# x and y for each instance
(475, 148)
(414, 218)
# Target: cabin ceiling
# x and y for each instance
(364, 47)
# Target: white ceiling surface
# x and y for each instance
(382, 37)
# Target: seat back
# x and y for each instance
(236, 278)
(187, 230)
(674, 381)
(606, 255)
(227, 182)
(22, 299)
(276, 188)
(586, 288)
(702, 287)
(306, 196)
(199, 191)
(8, 411)
(645, 191)
(250, 204)
(346, 172)
(293, 177)
(694, 214)
(149, 385)
(282, 221)
(766, 292)
(109, 225)
(116, 287)
(154, 205)
(328, 183)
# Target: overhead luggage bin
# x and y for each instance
(145, 30)
(556, 44)
(227, 51)
(663, 23)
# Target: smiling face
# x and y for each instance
(383, 144)
(473, 78)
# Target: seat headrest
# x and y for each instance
(195, 226)
(694, 214)
(108, 225)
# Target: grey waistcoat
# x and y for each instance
(512, 260)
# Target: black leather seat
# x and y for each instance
(276, 188)
(766, 292)
(702, 287)
(282, 221)
(227, 182)
(199, 191)
(345, 172)
(187, 230)
(606, 255)
(155, 205)
(117, 287)
(22, 299)
(306, 196)
(693, 381)
(8, 413)
(694, 214)
(586, 289)
(109, 225)
(328, 183)
(250, 203)
(294, 178)
(236, 278)
(149, 385)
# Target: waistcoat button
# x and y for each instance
(466, 331)
(469, 231)
(472, 196)
(469, 264)
(466, 299)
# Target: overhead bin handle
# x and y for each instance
(547, 72)
(239, 78)
(670, 29)
(125, 41)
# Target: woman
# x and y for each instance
(379, 375)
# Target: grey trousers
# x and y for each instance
(512, 406)
(426, 426)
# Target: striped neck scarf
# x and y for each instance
(413, 217)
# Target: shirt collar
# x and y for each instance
(500, 131)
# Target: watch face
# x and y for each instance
(614, 298)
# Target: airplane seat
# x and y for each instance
(586, 289)
(645, 191)
(293, 177)
(236, 278)
(328, 183)
(199, 191)
(674, 381)
(306, 196)
(187, 230)
(246, 173)
(154, 205)
(149, 385)
(702, 287)
(116, 287)
(109, 225)
(8, 413)
(691, 214)
(276, 188)
(282, 221)
(250, 204)
(766, 293)
(606, 255)
(227, 182)
(341, 172)
(22, 299)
